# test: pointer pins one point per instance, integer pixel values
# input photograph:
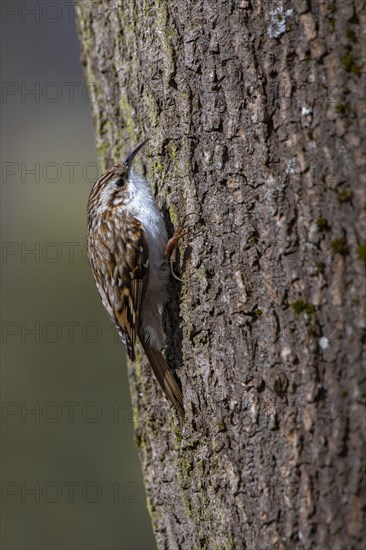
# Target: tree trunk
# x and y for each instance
(255, 112)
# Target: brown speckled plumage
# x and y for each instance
(126, 242)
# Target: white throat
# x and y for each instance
(141, 204)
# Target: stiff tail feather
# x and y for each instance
(165, 377)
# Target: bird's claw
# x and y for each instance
(172, 247)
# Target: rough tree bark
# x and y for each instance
(255, 111)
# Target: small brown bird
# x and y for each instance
(127, 241)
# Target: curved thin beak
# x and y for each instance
(131, 156)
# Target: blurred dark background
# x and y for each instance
(70, 475)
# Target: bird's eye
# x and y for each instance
(120, 182)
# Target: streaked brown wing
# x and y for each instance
(130, 276)
(120, 265)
